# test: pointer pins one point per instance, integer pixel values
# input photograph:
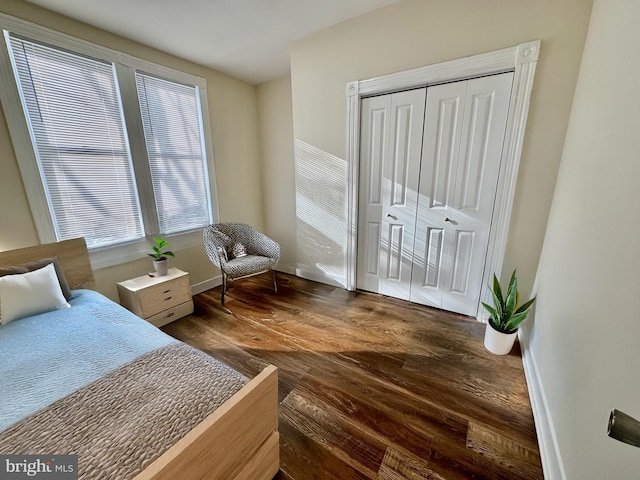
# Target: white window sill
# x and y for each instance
(129, 252)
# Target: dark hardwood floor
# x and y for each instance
(370, 386)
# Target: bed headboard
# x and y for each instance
(72, 255)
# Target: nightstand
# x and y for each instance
(159, 300)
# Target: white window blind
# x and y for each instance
(173, 136)
(73, 109)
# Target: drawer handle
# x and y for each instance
(170, 314)
(168, 298)
(166, 291)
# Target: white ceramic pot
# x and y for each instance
(498, 342)
(161, 267)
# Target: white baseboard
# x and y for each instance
(217, 281)
(550, 455)
(314, 276)
(291, 270)
(206, 285)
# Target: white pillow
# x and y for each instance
(29, 294)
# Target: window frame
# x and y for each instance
(125, 68)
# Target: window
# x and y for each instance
(72, 106)
(110, 147)
(174, 146)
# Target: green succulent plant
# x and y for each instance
(158, 254)
(507, 314)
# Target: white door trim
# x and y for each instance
(520, 59)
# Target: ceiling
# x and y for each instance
(247, 39)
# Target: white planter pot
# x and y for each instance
(161, 267)
(498, 342)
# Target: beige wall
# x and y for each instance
(275, 122)
(234, 119)
(416, 33)
(586, 332)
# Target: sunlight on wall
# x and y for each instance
(321, 214)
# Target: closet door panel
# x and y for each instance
(462, 262)
(373, 248)
(400, 191)
(440, 151)
(442, 142)
(373, 149)
(401, 155)
(471, 209)
(394, 259)
(375, 155)
(433, 255)
(391, 143)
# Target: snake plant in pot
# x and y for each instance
(506, 316)
(159, 255)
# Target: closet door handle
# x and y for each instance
(447, 219)
(392, 216)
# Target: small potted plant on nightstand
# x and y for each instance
(160, 260)
(506, 317)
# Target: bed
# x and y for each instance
(97, 381)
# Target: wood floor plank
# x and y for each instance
(302, 457)
(368, 419)
(503, 450)
(353, 446)
(371, 386)
(396, 466)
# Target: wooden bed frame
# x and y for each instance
(238, 441)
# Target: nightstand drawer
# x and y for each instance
(179, 311)
(163, 296)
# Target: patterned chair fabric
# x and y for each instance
(239, 250)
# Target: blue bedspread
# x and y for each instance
(46, 357)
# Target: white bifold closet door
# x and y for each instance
(449, 188)
(390, 152)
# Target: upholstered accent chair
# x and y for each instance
(239, 250)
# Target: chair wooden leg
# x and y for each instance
(275, 284)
